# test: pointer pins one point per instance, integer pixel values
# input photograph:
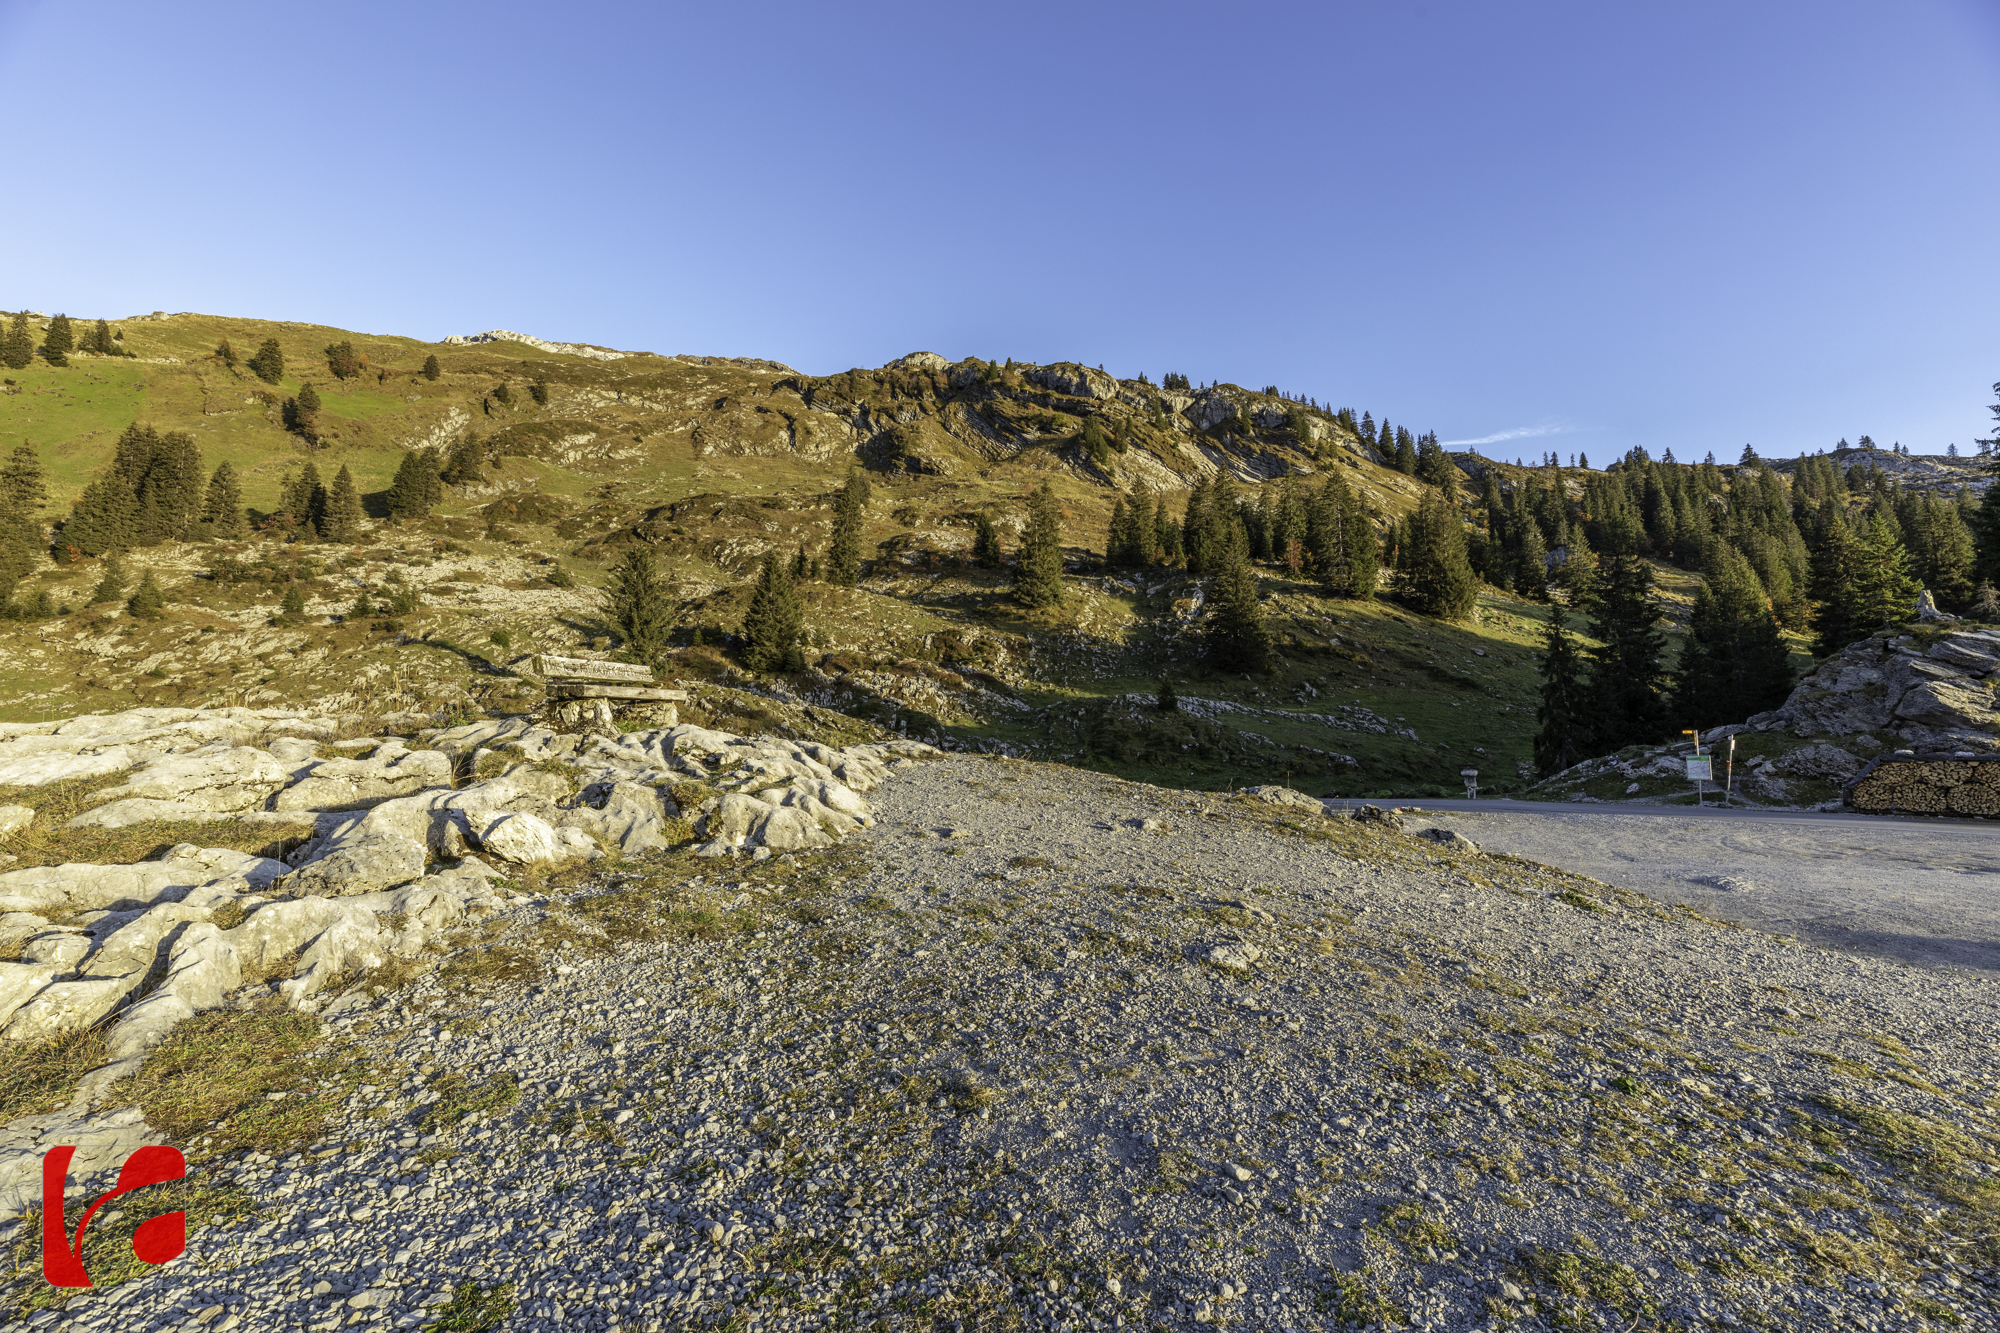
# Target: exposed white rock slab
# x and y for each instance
(217, 777)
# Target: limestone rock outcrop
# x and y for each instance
(1936, 697)
(392, 841)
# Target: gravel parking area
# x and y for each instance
(1044, 1049)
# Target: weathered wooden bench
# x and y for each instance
(582, 678)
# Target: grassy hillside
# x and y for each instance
(712, 462)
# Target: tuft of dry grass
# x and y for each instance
(213, 1078)
(40, 1076)
(46, 842)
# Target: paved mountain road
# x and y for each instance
(1922, 890)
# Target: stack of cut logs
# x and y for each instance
(582, 692)
(1928, 784)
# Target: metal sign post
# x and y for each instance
(1471, 776)
(1700, 767)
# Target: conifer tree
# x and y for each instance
(172, 489)
(1735, 662)
(801, 566)
(1531, 568)
(539, 391)
(1406, 452)
(431, 368)
(1832, 582)
(147, 601)
(17, 349)
(1234, 634)
(268, 364)
(1195, 527)
(1944, 556)
(775, 621)
(1145, 529)
(105, 518)
(1128, 534)
(1882, 591)
(639, 606)
(226, 354)
(293, 603)
(463, 461)
(1038, 571)
(343, 509)
(1563, 738)
(22, 496)
(1435, 575)
(1434, 465)
(986, 551)
(416, 489)
(844, 549)
(59, 341)
(222, 505)
(111, 584)
(1626, 677)
(1167, 544)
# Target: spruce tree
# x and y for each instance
(1167, 537)
(343, 509)
(1626, 677)
(986, 551)
(222, 505)
(105, 519)
(1832, 582)
(1531, 567)
(1436, 578)
(17, 349)
(268, 364)
(1434, 465)
(1038, 570)
(22, 497)
(639, 606)
(844, 549)
(1234, 634)
(111, 584)
(294, 601)
(171, 492)
(59, 341)
(1121, 545)
(226, 354)
(1145, 529)
(101, 341)
(1195, 527)
(1882, 591)
(463, 461)
(147, 601)
(1734, 662)
(431, 369)
(416, 488)
(1563, 738)
(775, 621)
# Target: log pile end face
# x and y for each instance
(1928, 785)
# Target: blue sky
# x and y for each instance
(1579, 227)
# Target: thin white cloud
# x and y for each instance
(1518, 433)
